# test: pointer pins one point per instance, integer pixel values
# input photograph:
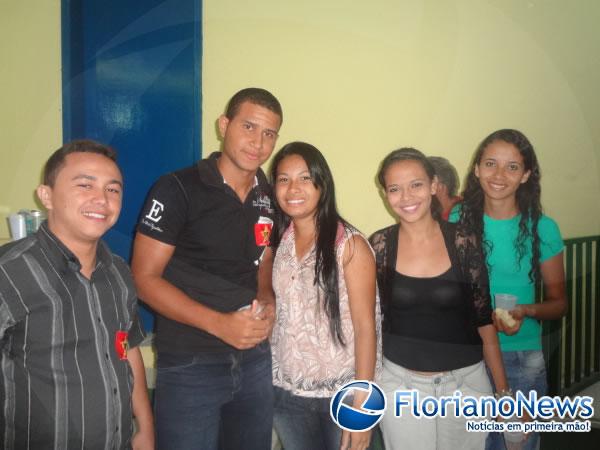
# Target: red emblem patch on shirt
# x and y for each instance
(121, 344)
(262, 233)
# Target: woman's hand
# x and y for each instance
(518, 313)
(355, 440)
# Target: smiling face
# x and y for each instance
(409, 190)
(501, 171)
(248, 137)
(295, 191)
(85, 199)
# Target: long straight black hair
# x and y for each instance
(326, 223)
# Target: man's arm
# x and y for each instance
(150, 257)
(144, 437)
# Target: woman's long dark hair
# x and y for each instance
(326, 223)
(527, 197)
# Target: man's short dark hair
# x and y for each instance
(57, 160)
(446, 173)
(256, 96)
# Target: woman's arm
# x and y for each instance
(493, 357)
(474, 269)
(359, 275)
(265, 295)
(555, 303)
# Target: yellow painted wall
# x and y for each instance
(30, 99)
(358, 79)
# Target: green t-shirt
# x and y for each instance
(509, 277)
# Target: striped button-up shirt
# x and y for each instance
(65, 382)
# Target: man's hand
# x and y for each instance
(245, 329)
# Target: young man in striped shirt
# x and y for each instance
(71, 375)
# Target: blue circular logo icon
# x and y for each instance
(352, 419)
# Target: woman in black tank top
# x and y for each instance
(437, 318)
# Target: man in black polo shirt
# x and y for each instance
(202, 262)
(68, 318)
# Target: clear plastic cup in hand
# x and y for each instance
(506, 301)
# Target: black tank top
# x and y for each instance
(429, 324)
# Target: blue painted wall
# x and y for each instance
(132, 79)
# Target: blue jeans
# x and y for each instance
(526, 371)
(304, 423)
(214, 400)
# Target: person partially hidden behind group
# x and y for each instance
(437, 316)
(327, 328)
(448, 184)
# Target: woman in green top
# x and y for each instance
(522, 246)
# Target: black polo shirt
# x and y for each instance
(218, 244)
(63, 382)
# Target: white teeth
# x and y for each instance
(295, 202)
(412, 208)
(94, 215)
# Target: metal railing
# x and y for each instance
(572, 344)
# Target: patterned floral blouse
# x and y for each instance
(307, 360)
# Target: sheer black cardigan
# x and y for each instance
(464, 253)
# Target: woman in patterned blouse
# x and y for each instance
(327, 328)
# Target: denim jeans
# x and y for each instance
(526, 371)
(214, 400)
(304, 423)
(407, 432)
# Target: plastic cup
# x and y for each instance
(506, 301)
(258, 311)
(18, 228)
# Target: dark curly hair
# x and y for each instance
(327, 219)
(527, 198)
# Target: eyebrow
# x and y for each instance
(411, 181)
(299, 173)
(254, 124)
(93, 178)
(510, 161)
